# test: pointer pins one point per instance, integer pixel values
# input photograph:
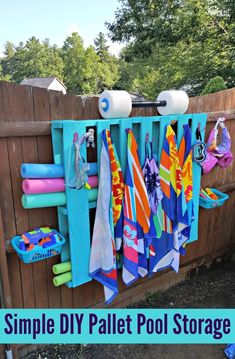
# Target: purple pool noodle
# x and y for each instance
(93, 181)
(47, 185)
(50, 185)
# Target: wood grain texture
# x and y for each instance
(30, 110)
(7, 301)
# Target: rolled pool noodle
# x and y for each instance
(51, 199)
(44, 185)
(93, 169)
(118, 104)
(61, 267)
(43, 200)
(93, 181)
(50, 185)
(176, 102)
(92, 194)
(39, 170)
(62, 279)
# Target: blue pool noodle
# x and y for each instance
(39, 170)
(93, 169)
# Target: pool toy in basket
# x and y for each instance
(38, 244)
(211, 198)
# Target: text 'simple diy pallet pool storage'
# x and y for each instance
(73, 218)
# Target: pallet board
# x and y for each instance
(74, 221)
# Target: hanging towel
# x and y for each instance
(151, 178)
(136, 215)
(186, 163)
(166, 248)
(152, 183)
(103, 265)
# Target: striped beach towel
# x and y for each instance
(103, 266)
(186, 163)
(136, 216)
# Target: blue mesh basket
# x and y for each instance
(211, 203)
(38, 253)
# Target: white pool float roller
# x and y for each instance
(118, 104)
(115, 104)
(177, 102)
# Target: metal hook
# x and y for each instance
(91, 137)
(220, 121)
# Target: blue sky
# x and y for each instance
(55, 19)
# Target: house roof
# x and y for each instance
(43, 82)
(137, 97)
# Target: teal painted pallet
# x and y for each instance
(73, 219)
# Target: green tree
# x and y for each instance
(34, 59)
(181, 42)
(80, 66)
(73, 55)
(101, 46)
(6, 62)
(108, 70)
(214, 85)
(1, 74)
(90, 73)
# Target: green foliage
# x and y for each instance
(7, 63)
(176, 43)
(101, 46)
(170, 44)
(83, 70)
(215, 84)
(108, 72)
(73, 54)
(108, 69)
(34, 59)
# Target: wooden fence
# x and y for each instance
(25, 113)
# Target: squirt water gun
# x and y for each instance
(208, 193)
(43, 236)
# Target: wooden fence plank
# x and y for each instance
(7, 205)
(7, 301)
(20, 99)
(22, 221)
(6, 196)
(45, 107)
(24, 129)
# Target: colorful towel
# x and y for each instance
(103, 265)
(186, 163)
(166, 248)
(152, 183)
(136, 215)
(151, 178)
